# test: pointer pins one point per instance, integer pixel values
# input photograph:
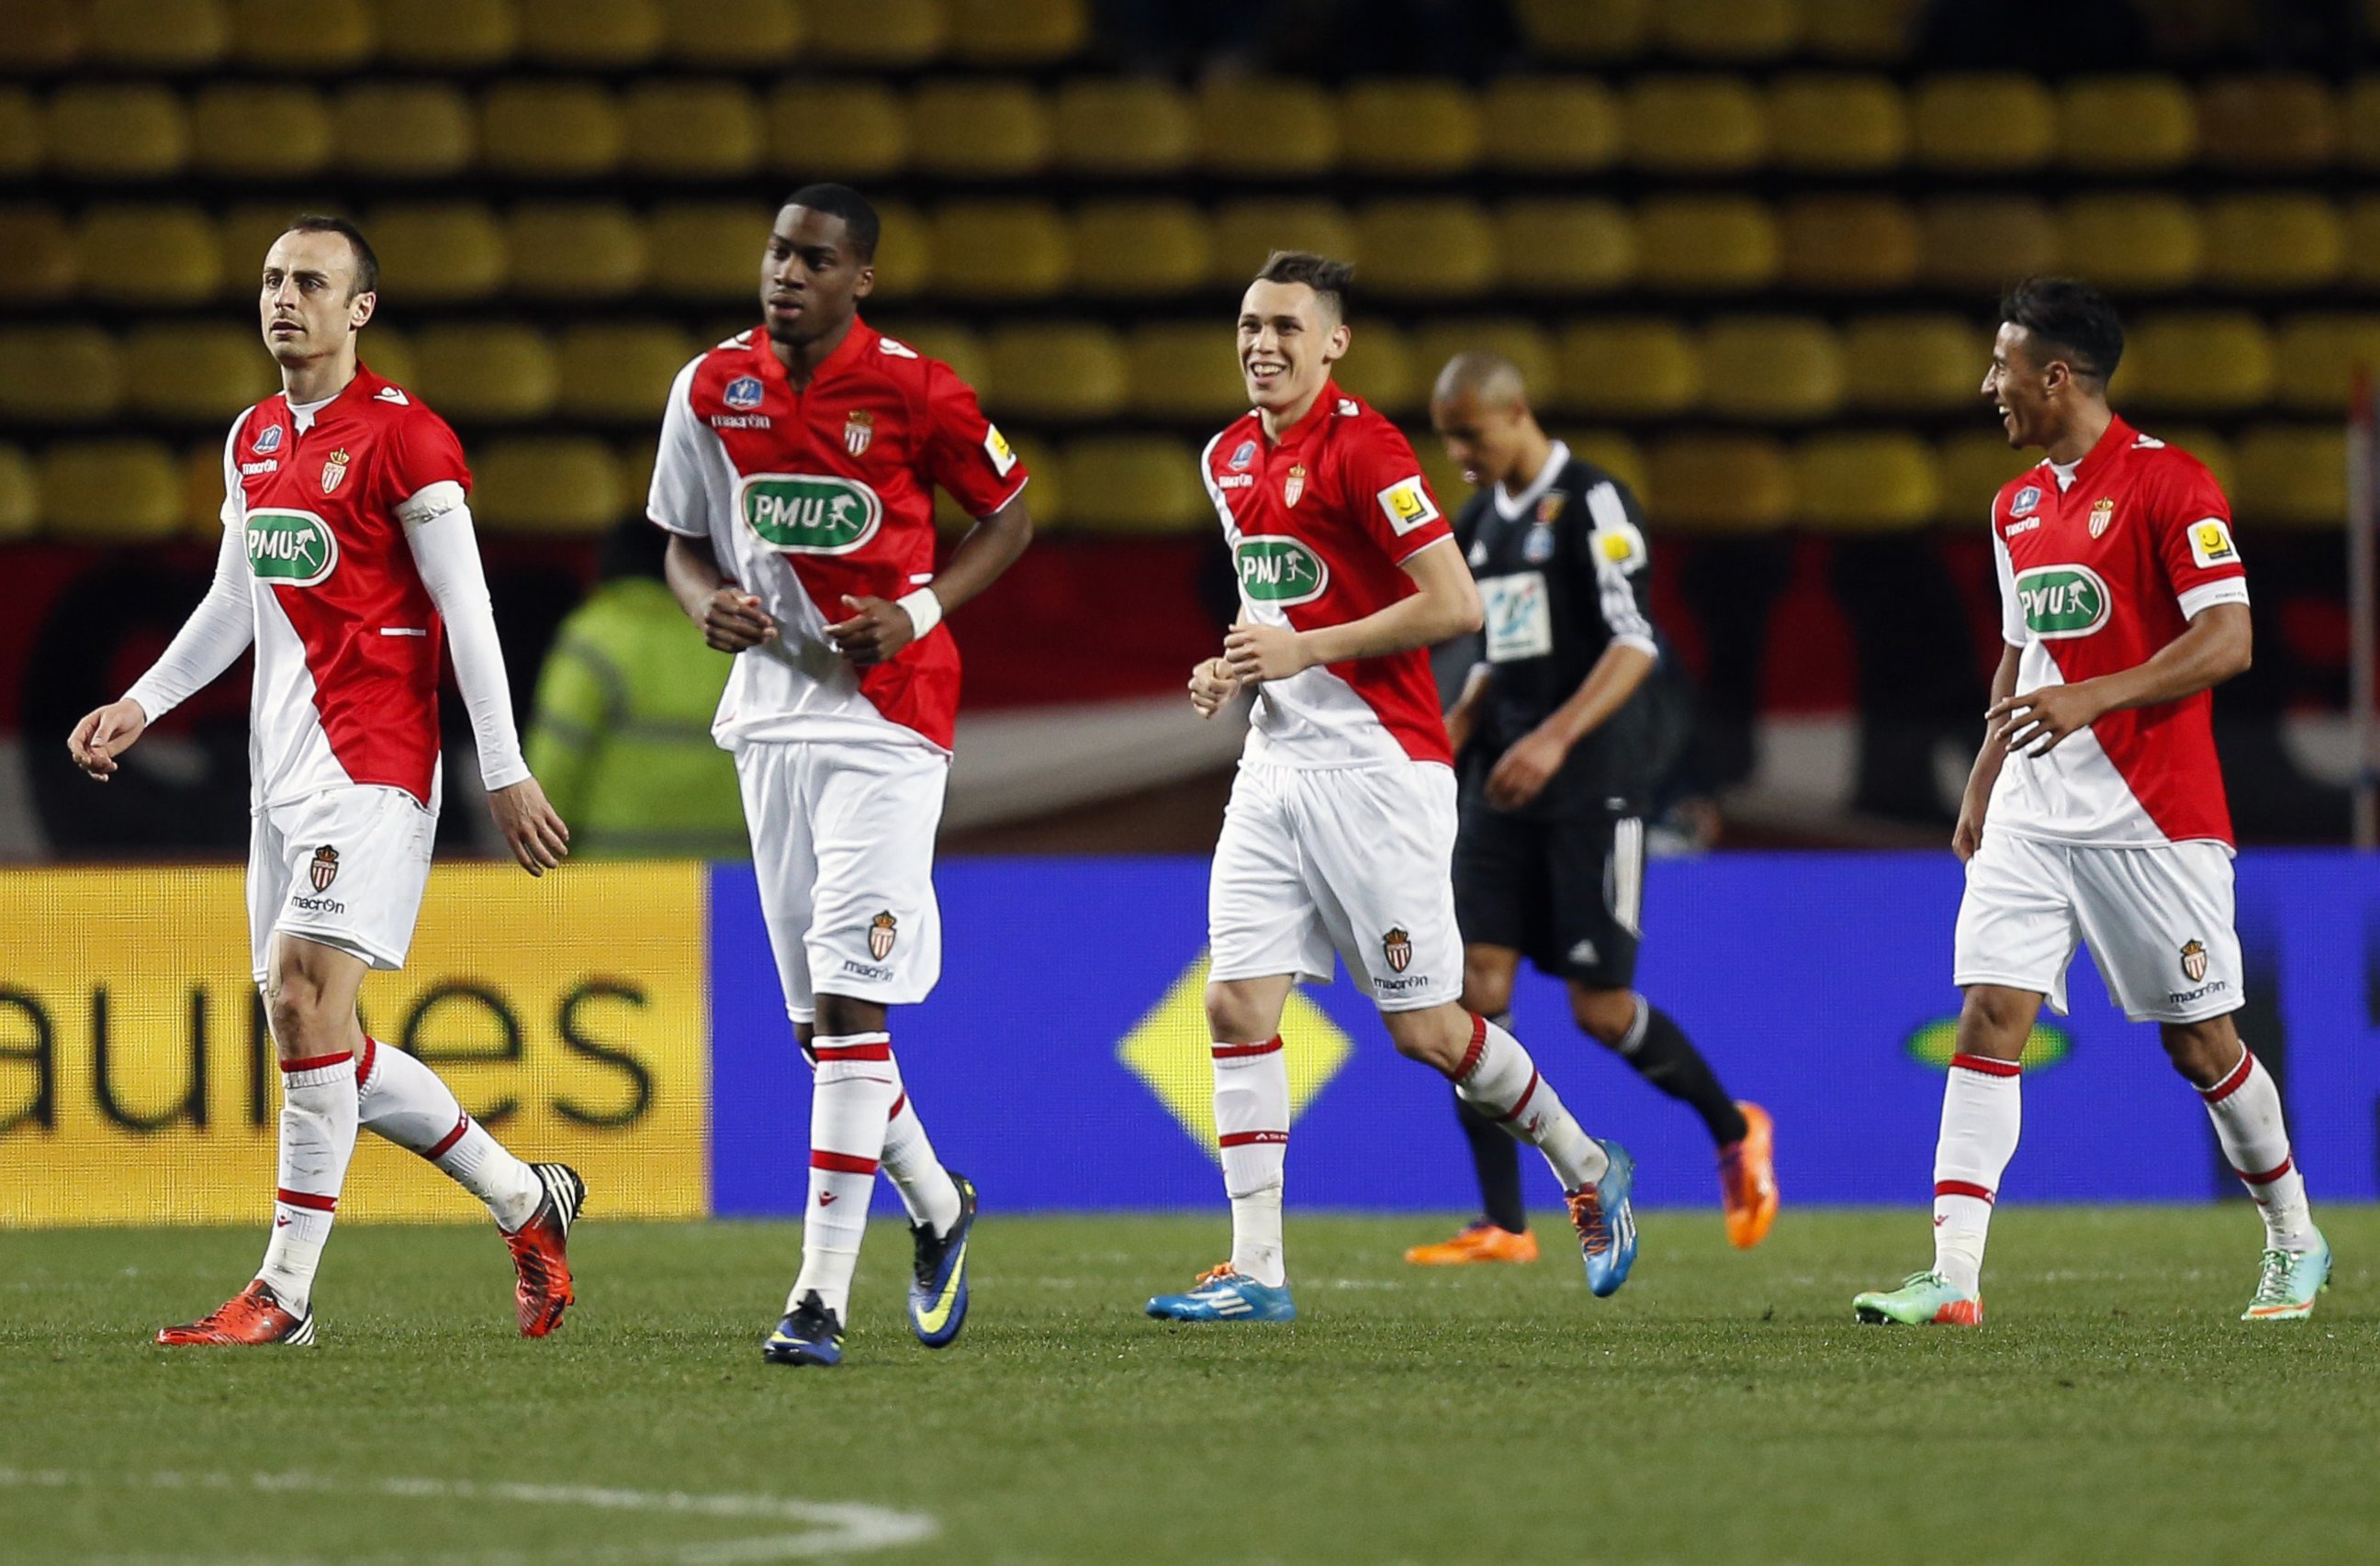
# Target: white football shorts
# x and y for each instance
(843, 844)
(345, 867)
(1359, 859)
(2157, 919)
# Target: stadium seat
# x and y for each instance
(388, 352)
(243, 235)
(1133, 248)
(446, 34)
(1771, 369)
(838, 130)
(549, 486)
(1840, 244)
(202, 490)
(2126, 125)
(1551, 125)
(43, 36)
(575, 250)
(1062, 372)
(680, 128)
(1116, 125)
(2359, 128)
(1983, 123)
(550, 130)
(443, 253)
(2132, 242)
(1615, 454)
(403, 130)
(110, 492)
(239, 131)
(956, 345)
(1408, 126)
(21, 495)
(2363, 242)
(731, 34)
(1868, 31)
(58, 374)
(2277, 243)
(2318, 356)
(1694, 124)
(1000, 251)
(2276, 124)
(1186, 370)
(1017, 33)
(2221, 458)
(128, 130)
(1728, 30)
(1912, 364)
(204, 371)
(1247, 232)
(1629, 368)
(1556, 247)
(1135, 484)
(885, 33)
(1046, 499)
(618, 370)
(303, 37)
(487, 370)
(1878, 482)
(39, 263)
(1970, 467)
(1423, 246)
(21, 133)
(1531, 351)
(2197, 361)
(147, 255)
(1720, 484)
(1596, 30)
(1971, 244)
(156, 35)
(708, 251)
(1832, 122)
(603, 35)
(2292, 476)
(1705, 244)
(1382, 368)
(904, 253)
(1272, 128)
(978, 129)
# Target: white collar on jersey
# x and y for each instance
(302, 414)
(2065, 472)
(1511, 505)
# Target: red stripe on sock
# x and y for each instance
(822, 1053)
(308, 1201)
(1964, 1188)
(1987, 1065)
(898, 1105)
(316, 1063)
(1478, 1047)
(2231, 1083)
(1237, 1051)
(2268, 1176)
(1251, 1138)
(841, 1163)
(364, 1068)
(1521, 1102)
(446, 1142)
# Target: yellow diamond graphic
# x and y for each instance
(1168, 1049)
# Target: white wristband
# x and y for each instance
(924, 612)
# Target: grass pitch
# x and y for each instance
(1722, 1408)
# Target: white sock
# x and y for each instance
(926, 1187)
(2246, 1108)
(399, 1097)
(1252, 1134)
(851, 1099)
(1982, 1112)
(1498, 1079)
(318, 1136)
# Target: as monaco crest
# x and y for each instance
(2102, 516)
(1397, 947)
(2193, 961)
(883, 930)
(325, 870)
(1293, 486)
(858, 430)
(334, 472)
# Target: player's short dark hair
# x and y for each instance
(1329, 279)
(860, 224)
(367, 264)
(2071, 318)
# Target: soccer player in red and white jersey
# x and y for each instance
(1339, 834)
(349, 562)
(2095, 811)
(795, 478)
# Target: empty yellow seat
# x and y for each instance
(1247, 232)
(552, 486)
(130, 131)
(685, 129)
(403, 130)
(575, 250)
(1382, 367)
(904, 251)
(550, 130)
(1551, 125)
(21, 495)
(1728, 30)
(243, 131)
(1529, 349)
(1721, 484)
(202, 492)
(448, 34)
(21, 133)
(2277, 123)
(1835, 123)
(880, 32)
(731, 34)
(1058, 370)
(2137, 240)
(243, 235)
(1870, 31)
(1104, 125)
(2221, 459)
(1970, 467)
(1780, 368)
(2126, 124)
(2274, 243)
(1983, 122)
(1126, 250)
(1615, 454)
(1850, 243)
(2359, 124)
(1705, 244)
(1551, 246)
(148, 255)
(1000, 251)
(959, 346)
(1017, 33)
(978, 129)
(309, 36)
(2363, 242)
(843, 130)
(1275, 128)
(618, 370)
(708, 251)
(1584, 30)
(1694, 125)
(2197, 361)
(43, 35)
(1408, 126)
(1910, 364)
(2292, 476)
(1135, 484)
(1978, 243)
(1875, 482)
(110, 492)
(388, 352)
(2318, 356)
(58, 374)
(1186, 370)
(1425, 246)
(485, 371)
(39, 263)
(589, 34)
(156, 35)
(438, 252)
(1633, 368)
(196, 369)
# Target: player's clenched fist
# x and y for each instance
(733, 620)
(1212, 684)
(104, 735)
(1265, 652)
(877, 630)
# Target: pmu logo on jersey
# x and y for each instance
(743, 393)
(334, 472)
(1407, 504)
(2062, 601)
(858, 432)
(2102, 516)
(268, 442)
(295, 549)
(324, 869)
(883, 930)
(1280, 571)
(2193, 961)
(810, 513)
(1397, 947)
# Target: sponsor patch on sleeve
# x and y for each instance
(1620, 544)
(2210, 543)
(1407, 504)
(996, 447)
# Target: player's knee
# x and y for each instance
(1235, 1017)
(298, 1009)
(840, 1016)
(1437, 1037)
(2203, 1052)
(1995, 1022)
(1605, 1015)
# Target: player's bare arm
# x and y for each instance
(731, 618)
(1447, 604)
(1464, 716)
(2218, 644)
(1968, 835)
(1522, 773)
(879, 629)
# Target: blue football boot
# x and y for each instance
(2287, 1282)
(810, 1334)
(1607, 1228)
(937, 1289)
(1222, 1295)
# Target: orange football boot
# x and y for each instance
(252, 1317)
(540, 1251)
(1478, 1241)
(1747, 1180)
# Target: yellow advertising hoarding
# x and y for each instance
(137, 1079)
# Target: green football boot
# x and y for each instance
(2291, 1280)
(1923, 1299)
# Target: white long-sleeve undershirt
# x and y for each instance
(210, 641)
(446, 551)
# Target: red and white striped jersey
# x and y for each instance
(1320, 524)
(2098, 573)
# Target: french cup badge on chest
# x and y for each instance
(334, 471)
(858, 430)
(2102, 516)
(1537, 546)
(1294, 485)
(2026, 499)
(883, 930)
